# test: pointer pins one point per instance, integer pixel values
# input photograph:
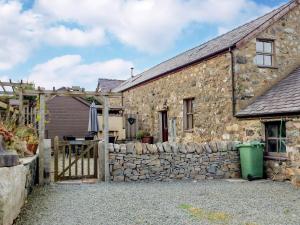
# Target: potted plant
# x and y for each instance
(144, 137)
(28, 134)
(13, 142)
(32, 143)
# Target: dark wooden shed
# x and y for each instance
(67, 116)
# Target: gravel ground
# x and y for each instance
(205, 202)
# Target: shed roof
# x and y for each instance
(215, 46)
(282, 98)
(106, 85)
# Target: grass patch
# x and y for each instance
(201, 214)
(286, 211)
(185, 206)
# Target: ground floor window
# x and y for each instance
(276, 137)
(188, 114)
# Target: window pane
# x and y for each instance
(189, 106)
(190, 122)
(268, 60)
(267, 47)
(281, 145)
(272, 145)
(272, 130)
(260, 60)
(259, 46)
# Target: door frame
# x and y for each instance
(161, 125)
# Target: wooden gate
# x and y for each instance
(131, 126)
(75, 159)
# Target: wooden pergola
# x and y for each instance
(20, 90)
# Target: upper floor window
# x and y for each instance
(275, 137)
(188, 114)
(264, 53)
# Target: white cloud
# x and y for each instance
(151, 25)
(19, 34)
(64, 36)
(69, 70)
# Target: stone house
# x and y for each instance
(243, 85)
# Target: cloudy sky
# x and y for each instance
(75, 42)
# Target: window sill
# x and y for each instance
(267, 67)
(279, 158)
(189, 131)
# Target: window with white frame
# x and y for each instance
(265, 53)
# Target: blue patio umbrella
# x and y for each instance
(93, 127)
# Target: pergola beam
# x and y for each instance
(20, 90)
(66, 93)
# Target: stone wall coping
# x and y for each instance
(137, 148)
(28, 160)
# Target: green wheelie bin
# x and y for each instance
(251, 156)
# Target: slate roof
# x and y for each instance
(283, 98)
(106, 85)
(210, 48)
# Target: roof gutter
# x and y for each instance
(278, 114)
(178, 68)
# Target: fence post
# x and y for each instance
(41, 139)
(95, 154)
(105, 136)
(21, 108)
(101, 161)
(56, 149)
(47, 156)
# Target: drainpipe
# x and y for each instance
(232, 82)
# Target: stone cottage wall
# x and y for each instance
(166, 161)
(209, 82)
(288, 169)
(252, 80)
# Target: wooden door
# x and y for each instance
(131, 126)
(164, 125)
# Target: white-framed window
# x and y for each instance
(265, 53)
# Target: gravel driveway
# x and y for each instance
(205, 202)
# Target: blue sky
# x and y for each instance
(59, 43)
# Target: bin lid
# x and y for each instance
(251, 144)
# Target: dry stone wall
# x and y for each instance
(167, 161)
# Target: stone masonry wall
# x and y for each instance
(209, 82)
(167, 161)
(288, 169)
(253, 80)
(15, 184)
